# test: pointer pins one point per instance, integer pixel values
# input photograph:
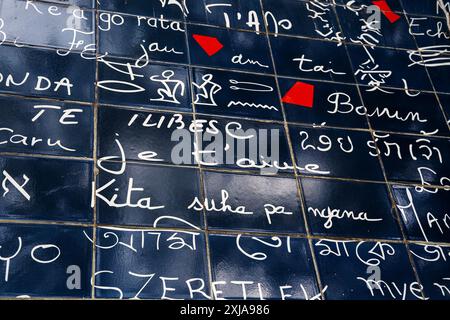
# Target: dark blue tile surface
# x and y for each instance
(46, 127)
(381, 67)
(358, 28)
(149, 147)
(143, 200)
(145, 136)
(44, 73)
(353, 270)
(46, 261)
(335, 153)
(153, 39)
(46, 189)
(349, 209)
(237, 14)
(242, 144)
(396, 110)
(230, 49)
(235, 94)
(252, 203)
(247, 267)
(333, 104)
(415, 159)
(424, 212)
(428, 8)
(143, 84)
(433, 268)
(429, 32)
(311, 59)
(309, 19)
(150, 264)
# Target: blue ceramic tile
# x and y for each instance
(433, 267)
(349, 209)
(46, 127)
(381, 67)
(46, 261)
(416, 159)
(335, 153)
(420, 7)
(322, 103)
(429, 32)
(230, 49)
(44, 73)
(235, 94)
(425, 212)
(131, 194)
(250, 202)
(64, 27)
(242, 144)
(245, 267)
(150, 264)
(396, 110)
(46, 189)
(354, 270)
(236, 14)
(357, 27)
(153, 39)
(311, 59)
(171, 10)
(147, 136)
(144, 84)
(310, 19)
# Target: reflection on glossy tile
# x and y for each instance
(58, 26)
(247, 267)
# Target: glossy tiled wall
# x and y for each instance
(101, 199)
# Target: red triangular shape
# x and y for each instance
(386, 10)
(301, 94)
(210, 45)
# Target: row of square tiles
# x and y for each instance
(44, 73)
(250, 51)
(139, 195)
(246, 14)
(34, 127)
(153, 264)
